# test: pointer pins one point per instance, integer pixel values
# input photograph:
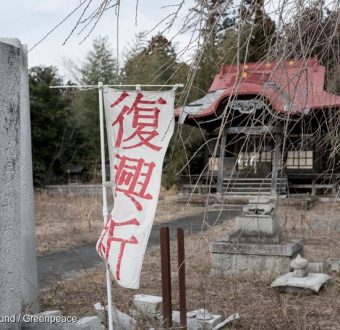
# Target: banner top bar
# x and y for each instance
(101, 85)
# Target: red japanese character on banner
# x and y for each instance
(132, 178)
(145, 121)
(109, 228)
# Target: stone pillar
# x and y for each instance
(10, 233)
(18, 264)
(220, 174)
(29, 284)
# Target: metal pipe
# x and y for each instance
(181, 279)
(166, 276)
(105, 211)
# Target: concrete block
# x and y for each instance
(198, 319)
(148, 305)
(259, 200)
(258, 224)
(258, 208)
(89, 323)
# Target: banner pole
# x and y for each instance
(105, 210)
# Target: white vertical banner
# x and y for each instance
(139, 126)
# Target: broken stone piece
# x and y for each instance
(231, 318)
(313, 281)
(147, 304)
(209, 321)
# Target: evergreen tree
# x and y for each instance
(99, 66)
(53, 130)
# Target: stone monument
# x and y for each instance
(256, 245)
(18, 267)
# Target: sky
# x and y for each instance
(31, 20)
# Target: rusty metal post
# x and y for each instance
(181, 279)
(166, 276)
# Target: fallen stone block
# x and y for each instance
(148, 305)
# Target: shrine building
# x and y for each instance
(271, 129)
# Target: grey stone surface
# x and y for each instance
(259, 200)
(313, 281)
(258, 224)
(194, 323)
(229, 264)
(147, 304)
(315, 267)
(10, 245)
(29, 285)
(290, 249)
(89, 323)
(122, 321)
(333, 265)
(258, 208)
(100, 311)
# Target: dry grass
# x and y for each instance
(259, 306)
(64, 222)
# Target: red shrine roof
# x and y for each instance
(295, 86)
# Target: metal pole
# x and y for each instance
(181, 279)
(166, 276)
(220, 175)
(105, 211)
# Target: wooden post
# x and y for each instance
(220, 174)
(181, 279)
(166, 276)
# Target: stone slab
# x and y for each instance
(313, 281)
(254, 238)
(289, 249)
(258, 224)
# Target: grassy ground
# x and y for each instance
(259, 306)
